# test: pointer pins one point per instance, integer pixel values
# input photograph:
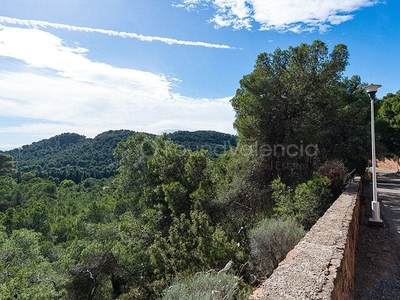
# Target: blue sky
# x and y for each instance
(89, 66)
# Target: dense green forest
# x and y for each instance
(186, 215)
(75, 157)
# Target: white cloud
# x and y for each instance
(235, 13)
(281, 15)
(56, 88)
(191, 4)
(144, 38)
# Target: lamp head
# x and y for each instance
(372, 89)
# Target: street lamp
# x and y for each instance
(376, 213)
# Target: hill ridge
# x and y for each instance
(76, 157)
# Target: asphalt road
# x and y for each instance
(389, 197)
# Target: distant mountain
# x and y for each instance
(73, 156)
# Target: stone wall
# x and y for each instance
(321, 266)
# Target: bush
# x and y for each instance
(306, 203)
(205, 286)
(270, 241)
(192, 245)
(337, 174)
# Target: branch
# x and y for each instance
(93, 286)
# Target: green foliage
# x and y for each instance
(132, 155)
(67, 183)
(242, 189)
(298, 97)
(7, 165)
(306, 203)
(388, 125)
(7, 192)
(74, 157)
(285, 88)
(28, 205)
(159, 173)
(71, 156)
(26, 273)
(216, 143)
(346, 136)
(169, 190)
(192, 245)
(270, 241)
(96, 234)
(206, 286)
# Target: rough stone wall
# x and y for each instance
(321, 266)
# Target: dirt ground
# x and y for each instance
(389, 164)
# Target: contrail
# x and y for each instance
(145, 38)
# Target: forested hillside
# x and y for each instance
(216, 143)
(75, 157)
(71, 156)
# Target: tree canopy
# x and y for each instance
(74, 157)
(287, 89)
(299, 98)
(7, 165)
(388, 124)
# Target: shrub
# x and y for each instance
(206, 286)
(192, 245)
(270, 241)
(337, 173)
(306, 203)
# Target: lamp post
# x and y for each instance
(376, 213)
